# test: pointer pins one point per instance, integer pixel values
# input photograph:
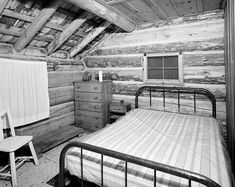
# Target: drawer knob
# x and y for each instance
(95, 98)
(96, 117)
(96, 88)
(78, 87)
(96, 107)
(78, 96)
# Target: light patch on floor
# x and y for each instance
(30, 175)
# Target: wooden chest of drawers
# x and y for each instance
(92, 99)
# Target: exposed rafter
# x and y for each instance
(62, 37)
(114, 2)
(105, 11)
(3, 4)
(88, 39)
(37, 24)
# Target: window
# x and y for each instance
(163, 68)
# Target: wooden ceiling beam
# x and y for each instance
(67, 32)
(3, 4)
(107, 12)
(114, 2)
(90, 36)
(37, 24)
(16, 15)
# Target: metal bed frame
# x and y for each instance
(156, 166)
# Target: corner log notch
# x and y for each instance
(105, 11)
(60, 39)
(95, 32)
(37, 24)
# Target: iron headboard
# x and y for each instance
(178, 90)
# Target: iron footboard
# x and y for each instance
(191, 176)
(178, 90)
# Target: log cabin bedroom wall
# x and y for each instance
(77, 40)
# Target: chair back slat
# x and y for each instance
(1, 129)
(6, 121)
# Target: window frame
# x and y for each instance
(164, 81)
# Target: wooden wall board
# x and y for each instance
(210, 44)
(41, 128)
(213, 15)
(60, 95)
(113, 61)
(120, 74)
(60, 109)
(204, 74)
(61, 79)
(204, 58)
(198, 31)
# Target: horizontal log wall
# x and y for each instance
(198, 38)
(62, 71)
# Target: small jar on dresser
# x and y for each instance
(92, 99)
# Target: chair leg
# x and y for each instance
(33, 153)
(13, 169)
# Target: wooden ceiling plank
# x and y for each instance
(199, 4)
(178, 7)
(107, 12)
(10, 32)
(156, 8)
(91, 35)
(17, 15)
(37, 24)
(125, 10)
(144, 9)
(67, 32)
(14, 31)
(29, 19)
(135, 11)
(3, 4)
(167, 7)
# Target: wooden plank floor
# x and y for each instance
(30, 175)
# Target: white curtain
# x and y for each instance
(24, 90)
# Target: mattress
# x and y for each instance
(189, 142)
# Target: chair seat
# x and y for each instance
(13, 143)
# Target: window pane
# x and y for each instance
(171, 73)
(171, 61)
(154, 61)
(155, 74)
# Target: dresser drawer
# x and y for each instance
(91, 106)
(88, 87)
(90, 116)
(86, 124)
(95, 97)
(89, 120)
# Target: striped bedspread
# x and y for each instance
(190, 142)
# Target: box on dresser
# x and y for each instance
(92, 99)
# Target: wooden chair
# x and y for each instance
(11, 144)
